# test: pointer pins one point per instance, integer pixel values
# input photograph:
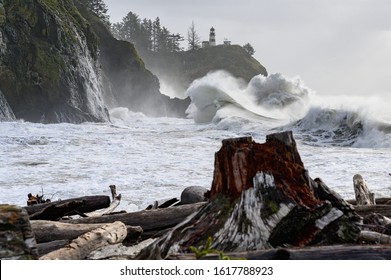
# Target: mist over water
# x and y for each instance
(282, 103)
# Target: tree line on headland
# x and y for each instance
(149, 35)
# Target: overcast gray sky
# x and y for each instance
(335, 46)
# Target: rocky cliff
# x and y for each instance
(127, 82)
(49, 69)
(59, 63)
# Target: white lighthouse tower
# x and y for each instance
(212, 37)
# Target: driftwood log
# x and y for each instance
(57, 211)
(80, 247)
(47, 247)
(85, 204)
(378, 201)
(365, 210)
(47, 231)
(374, 237)
(336, 252)
(262, 197)
(115, 201)
(148, 220)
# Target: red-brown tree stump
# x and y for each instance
(262, 197)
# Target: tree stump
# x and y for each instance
(16, 237)
(261, 197)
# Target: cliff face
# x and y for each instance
(180, 69)
(49, 68)
(6, 113)
(60, 63)
(126, 80)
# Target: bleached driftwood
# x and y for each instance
(80, 247)
(361, 191)
(375, 237)
(149, 220)
(116, 199)
(118, 251)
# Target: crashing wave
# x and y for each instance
(277, 91)
(338, 127)
(218, 95)
(278, 102)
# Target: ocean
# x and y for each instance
(151, 159)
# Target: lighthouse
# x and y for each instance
(212, 37)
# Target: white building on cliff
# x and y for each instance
(212, 39)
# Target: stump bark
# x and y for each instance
(262, 197)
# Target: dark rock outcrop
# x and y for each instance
(49, 69)
(59, 63)
(262, 197)
(17, 241)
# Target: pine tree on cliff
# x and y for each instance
(249, 49)
(100, 8)
(146, 35)
(192, 38)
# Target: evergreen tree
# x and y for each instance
(249, 49)
(131, 28)
(192, 38)
(146, 35)
(156, 33)
(176, 40)
(146, 31)
(100, 8)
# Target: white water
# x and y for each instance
(150, 159)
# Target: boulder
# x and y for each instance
(261, 197)
(193, 195)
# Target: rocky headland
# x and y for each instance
(60, 63)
